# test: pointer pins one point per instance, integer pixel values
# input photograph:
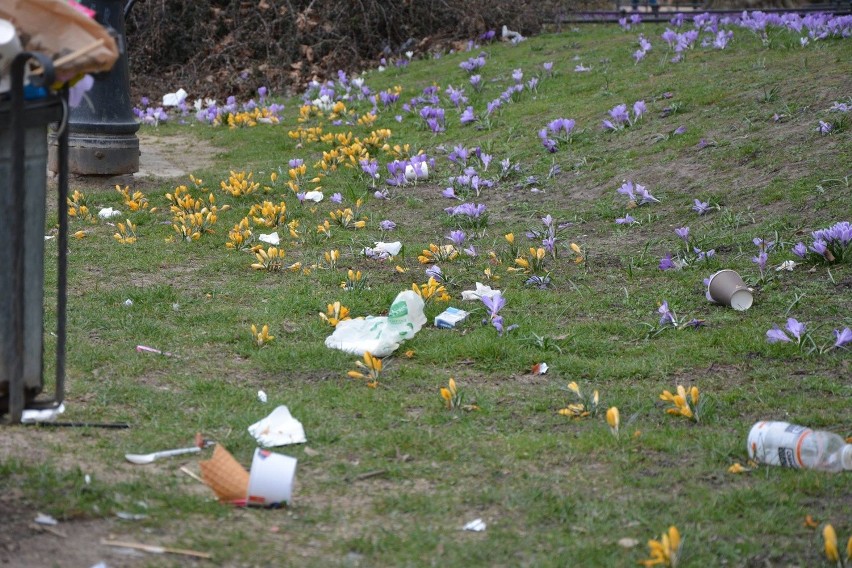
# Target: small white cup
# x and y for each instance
(271, 478)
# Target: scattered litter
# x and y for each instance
(512, 36)
(271, 478)
(176, 307)
(190, 473)
(128, 302)
(788, 265)
(49, 237)
(44, 415)
(42, 519)
(449, 318)
(481, 291)
(143, 459)
(270, 239)
(386, 249)
(476, 525)
(315, 196)
(539, 369)
(130, 516)
(278, 429)
(155, 549)
(88, 479)
(174, 99)
(225, 476)
(146, 349)
(728, 288)
(261, 396)
(628, 542)
(380, 335)
(108, 213)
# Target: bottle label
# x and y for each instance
(777, 443)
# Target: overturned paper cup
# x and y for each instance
(271, 478)
(728, 288)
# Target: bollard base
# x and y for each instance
(98, 154)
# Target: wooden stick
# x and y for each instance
(191, 474)
(79, 53)
(155, 549)
(73, 55)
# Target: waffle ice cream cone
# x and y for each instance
(228, 479)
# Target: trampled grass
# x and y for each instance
(389, 475)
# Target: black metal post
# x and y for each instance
(102, 129)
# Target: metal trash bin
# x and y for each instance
(23, 193)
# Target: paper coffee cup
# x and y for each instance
(728, 288)
(271, 478)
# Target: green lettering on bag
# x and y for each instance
(398, 312)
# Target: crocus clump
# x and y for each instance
(832, 244)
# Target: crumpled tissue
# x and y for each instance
(278, 429)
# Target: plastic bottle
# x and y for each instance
(788, 445)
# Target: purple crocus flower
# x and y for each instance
(683, 233)
(800, 250)
(825, 127)
(518, 75)
(476, 82)
(666, 262)
(493, 106)
(457, 237)
(775, 335)
(449, 192)
(645, 195)
(679, 130)
(387, 225)
(639, 108)
(701, 207)
(626, 220)
(843, 337)
(468, 116)
(760, 260)
(295, 162)
(666, 315)
(619, 114)
(494, 304)
(336, 198)
(548, 67)
(435, 272)
(549, 144)
(796, 328)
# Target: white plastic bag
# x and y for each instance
(381, 335)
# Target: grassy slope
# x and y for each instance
(553, 491)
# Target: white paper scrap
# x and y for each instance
(174, 99)
(272, 239)
(108, 213)
(315, 196)
(278, 429)
(261, 396)
(481, 291)
(46, 415)
(476, 525)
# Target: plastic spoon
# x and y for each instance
(141, 459)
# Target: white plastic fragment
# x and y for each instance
(128, 302)
(390, 248)
(272, 239)
(108, 213)
(45, 415)
(476, 525)
(174, 99)
(788, 265)
(47, 520)
(540, 368)
(261, 396)
(481, 291)
(278, 429)
(315, 196)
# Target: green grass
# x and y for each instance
(554, 491)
